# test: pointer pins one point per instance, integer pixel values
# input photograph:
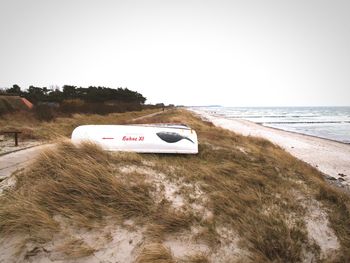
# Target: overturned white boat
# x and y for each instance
(143, 138)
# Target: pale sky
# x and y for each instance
(232, 53)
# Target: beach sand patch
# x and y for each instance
(164, 188)
(76, 245)
(319, 230)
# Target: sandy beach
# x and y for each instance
(330, 157)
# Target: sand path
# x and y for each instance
(19, 159)
(148, 115)
(329, 157)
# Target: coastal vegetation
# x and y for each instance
(53, 102)
(90, 94)
(240, 199)
(33, 128)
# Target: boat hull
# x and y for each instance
(178, 139)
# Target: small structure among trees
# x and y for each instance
(13, 103)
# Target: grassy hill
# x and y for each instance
(241, 199)
(11, 103)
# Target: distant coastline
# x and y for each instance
(331, 123)
(329, 156)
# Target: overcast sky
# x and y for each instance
(233, 53)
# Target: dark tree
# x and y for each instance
(91, 94)
(69, 92)
(14, 90)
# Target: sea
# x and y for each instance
(325, 122)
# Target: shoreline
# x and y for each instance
(330, 157)
(309, 135)
(279, 129)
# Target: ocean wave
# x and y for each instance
(269, 116)
(301, 122)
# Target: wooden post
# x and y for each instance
(14, 133)
(16, 138)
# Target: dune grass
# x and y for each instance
(248, 186)
(75, 182)
(258, 189)
(155, 253)
(32, 128)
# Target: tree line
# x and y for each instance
(91, 94)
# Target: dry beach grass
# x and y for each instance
(240, 199)
(32, 128)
